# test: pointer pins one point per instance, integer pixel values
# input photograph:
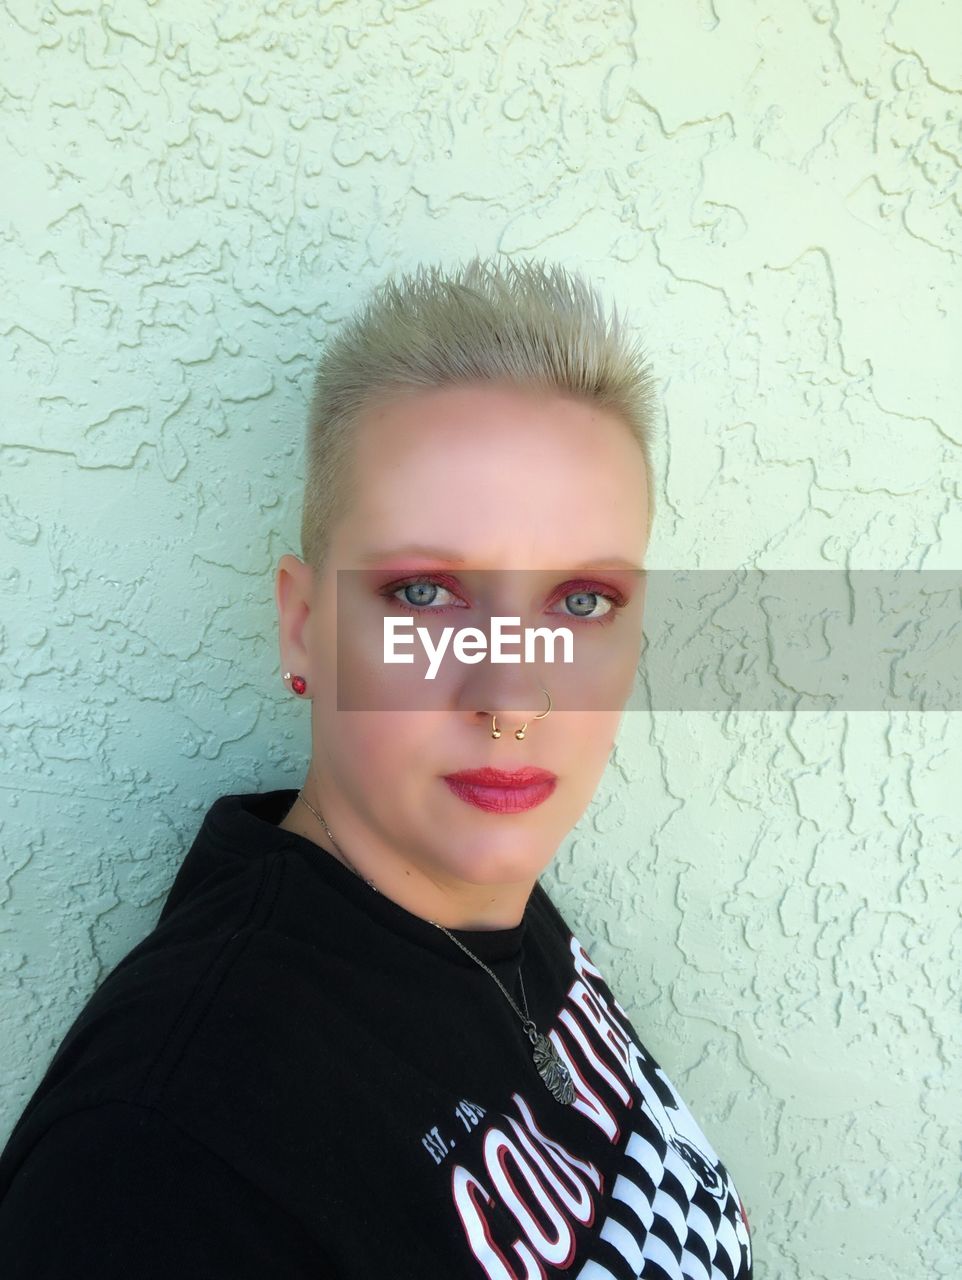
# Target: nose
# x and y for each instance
(508, 715)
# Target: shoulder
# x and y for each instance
(183, 1052)
(125, 1189)
(137, 1024)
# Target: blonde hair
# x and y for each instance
(527, 323)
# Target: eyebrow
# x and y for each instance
(451, 557)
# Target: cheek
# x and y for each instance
(597, 685)
(383, 746)
(595, 738)
(602, 676)
(362, 679)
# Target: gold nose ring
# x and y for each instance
(519, 733)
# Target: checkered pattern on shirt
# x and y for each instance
(673, 1212)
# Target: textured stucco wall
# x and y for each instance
(194, 192)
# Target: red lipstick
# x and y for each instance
(502, 791)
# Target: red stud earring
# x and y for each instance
(298, 683)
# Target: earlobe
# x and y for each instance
(292, 595)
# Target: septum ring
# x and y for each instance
(519, 733)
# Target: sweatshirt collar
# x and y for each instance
(247, 822)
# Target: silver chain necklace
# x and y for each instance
(552, 1070)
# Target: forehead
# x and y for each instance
(495, 468)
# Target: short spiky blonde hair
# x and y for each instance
(527, 323)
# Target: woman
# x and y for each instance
(361, 1040)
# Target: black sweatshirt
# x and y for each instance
(293, 1076)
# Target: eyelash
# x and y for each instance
(617, 599)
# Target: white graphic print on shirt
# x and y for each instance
(672, 1213)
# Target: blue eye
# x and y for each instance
(426, 592)
(420, 593)
(590, 596)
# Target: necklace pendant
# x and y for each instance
(553, 1071)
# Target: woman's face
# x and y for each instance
(543, 500)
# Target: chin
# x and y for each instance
(498, 866)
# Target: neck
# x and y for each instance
(455, 905)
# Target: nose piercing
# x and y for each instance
(519, 733)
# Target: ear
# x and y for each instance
(293, 595)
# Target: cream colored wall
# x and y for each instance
(193, 193)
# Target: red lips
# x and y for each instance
(487, 777)
(501, 790)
